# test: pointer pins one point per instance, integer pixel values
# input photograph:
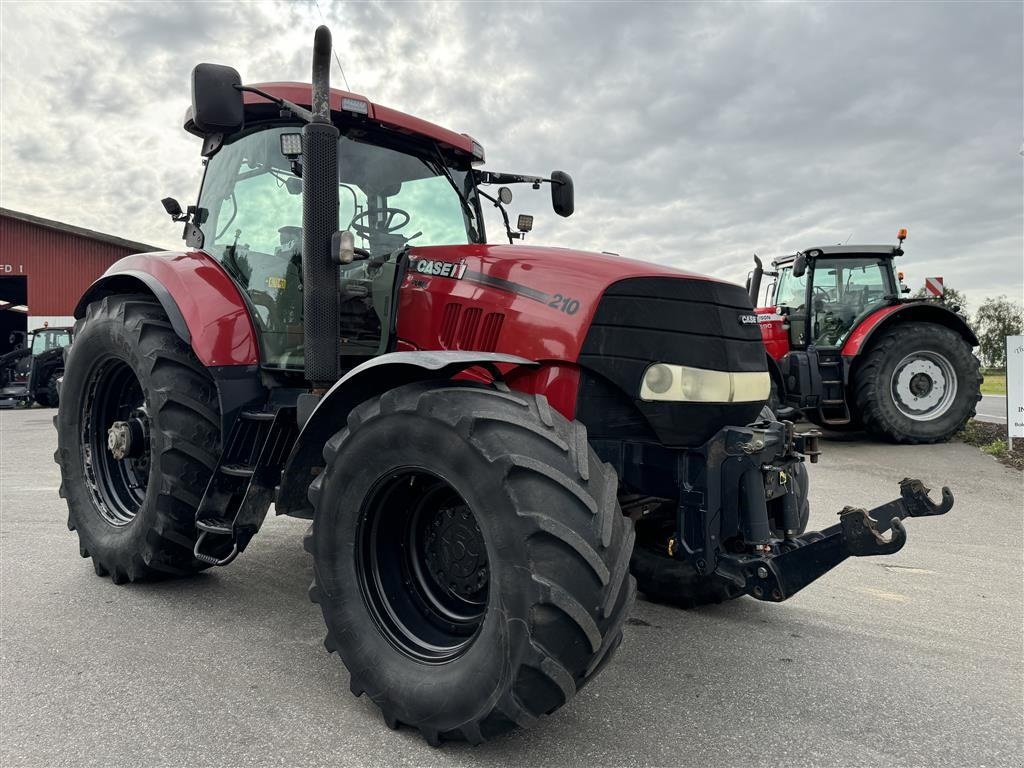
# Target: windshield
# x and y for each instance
(251, 214)
(46, 340)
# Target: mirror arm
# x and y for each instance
(300, 112)
(512, 236)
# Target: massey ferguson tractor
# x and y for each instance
(849, 352)
(478, 433)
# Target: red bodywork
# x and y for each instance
(214, 311)
(533, 302)
(855, 341)
(776, 337)
(301, 94)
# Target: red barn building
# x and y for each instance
(45, 266)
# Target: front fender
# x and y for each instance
(319, 418)
(205, 307)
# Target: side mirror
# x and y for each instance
(799, 265)
(216, 100)
(562, 197)
(172, 206)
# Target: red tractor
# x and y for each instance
(848, 351)
(478, 433)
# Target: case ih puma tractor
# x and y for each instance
(478, 433)
(846, 350)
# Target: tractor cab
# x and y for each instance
(824, 292)
(392, 192)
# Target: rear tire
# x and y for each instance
(135, 516)
(919, 383)
(495, 495)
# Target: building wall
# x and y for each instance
(60, 264)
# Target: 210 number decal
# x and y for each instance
(565, 304)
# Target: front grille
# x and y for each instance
(640, 321)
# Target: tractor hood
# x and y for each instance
(607, 317)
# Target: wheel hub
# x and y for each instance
(127, 439)
(923, 385)
(455, 552)
(422, 565)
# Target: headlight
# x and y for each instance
(680, 383)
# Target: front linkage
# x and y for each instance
(745, 526)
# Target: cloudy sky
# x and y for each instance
(697, 134)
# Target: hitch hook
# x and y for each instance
(862, 537)
(917, 502)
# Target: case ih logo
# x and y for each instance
(441, 268)
(748, 319)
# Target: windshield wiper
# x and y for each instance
(438, 166)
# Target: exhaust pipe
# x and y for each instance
(754, 281)
(319, 223)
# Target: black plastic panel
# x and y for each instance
(698, 323)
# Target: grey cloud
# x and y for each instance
(697, 134)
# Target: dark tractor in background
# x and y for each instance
(479, 433)
(850, 352)
(31, 373)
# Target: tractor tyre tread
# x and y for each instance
(574, 583)
(158, 542)
(874, 406)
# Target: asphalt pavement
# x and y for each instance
(913, 659)
(991, 408)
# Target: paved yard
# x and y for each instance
(914, 659)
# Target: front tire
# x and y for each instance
(919, 383)
(470, 558)
(135, 515)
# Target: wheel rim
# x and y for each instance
(117, 485)
(923, 385)
(422, 565)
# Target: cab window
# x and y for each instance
(251, 214)
(844, 289)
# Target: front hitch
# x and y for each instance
(795, 563)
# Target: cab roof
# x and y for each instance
(842, 251)
(345, 103)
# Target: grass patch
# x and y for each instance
(992, 439)
(993, 384)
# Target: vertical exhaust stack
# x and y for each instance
(319, 223)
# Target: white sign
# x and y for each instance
(1015, 385)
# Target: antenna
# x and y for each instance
(847, 239)
(335, 51)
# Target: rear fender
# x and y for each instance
(319, 418)
(202, 302)
(861, 338)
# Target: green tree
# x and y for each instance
(994, 321)
(951, 297)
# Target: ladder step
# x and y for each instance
(218, 527)
(258, 415)
(237, 470)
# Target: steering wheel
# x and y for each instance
(393, 219)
